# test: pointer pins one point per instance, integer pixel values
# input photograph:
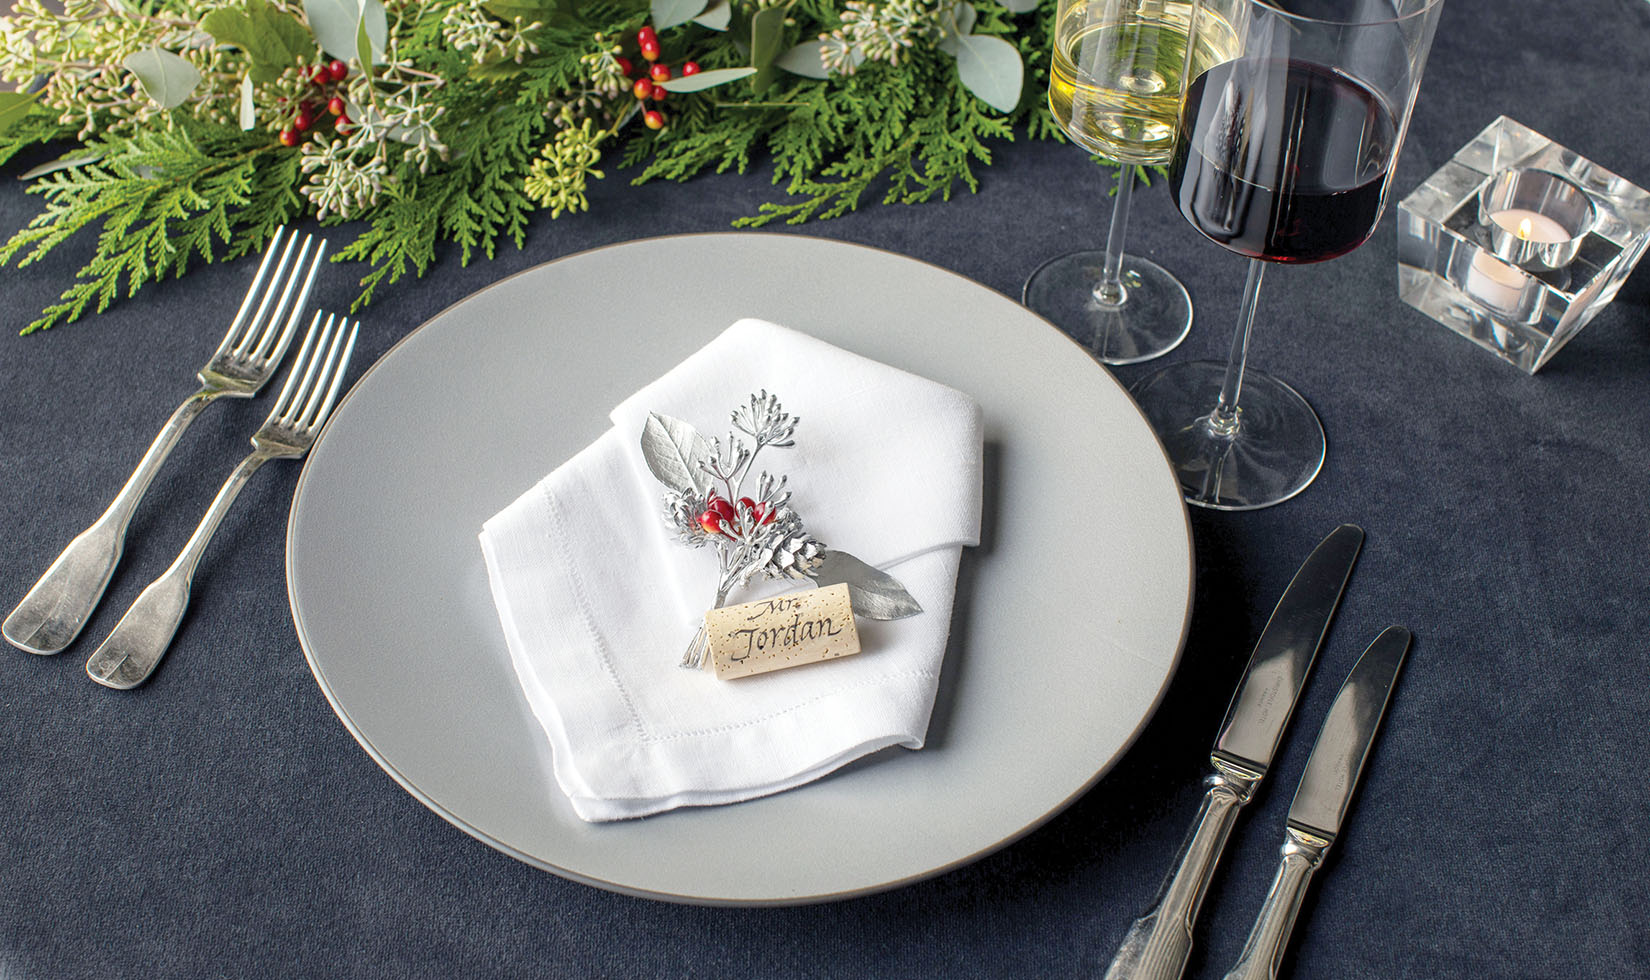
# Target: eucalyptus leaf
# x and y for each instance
(956, 21)
(165, 77)
(249, 113)
(991, 68)
(272, 39)
(705, 79)
(673, 450)
(767, 43)
(338, 23)
(804, 59)
(717, 16)
(13, 107)
(363, 44)
(669, 13)
(872, 592)
(1020, 6)
(529, 11)
(495, 71)
(61, 163)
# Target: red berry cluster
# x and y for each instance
(644, 87)
(309, 110)
(721, 517)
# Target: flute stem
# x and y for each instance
(1110, 291)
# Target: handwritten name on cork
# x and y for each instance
(786, 631)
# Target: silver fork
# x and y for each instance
(53, 613)
(140, 639)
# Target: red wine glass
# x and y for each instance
(1284, 155)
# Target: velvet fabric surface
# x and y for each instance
(221, 822)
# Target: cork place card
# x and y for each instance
(786, 631)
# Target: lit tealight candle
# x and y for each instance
(1496, 284)
(1531, 226)
(1534, 219)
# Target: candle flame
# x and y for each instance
(1524, 229)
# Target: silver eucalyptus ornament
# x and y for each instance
(757, 533)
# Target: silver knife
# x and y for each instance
(1159, 943)
(1320, 804)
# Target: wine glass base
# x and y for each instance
(1276, 450)
(1152, 320)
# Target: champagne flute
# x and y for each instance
(1285, 155)
(1115, 89)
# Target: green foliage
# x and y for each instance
(909, 132)
(479, 115)
(31, 128)
(472, 202)
(161, 198)
(272, 39)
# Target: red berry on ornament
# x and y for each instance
(335, 105)
(337, 70)
(722, 508)
(654, 119)
(289, 137)
(660, 73)
(690, 68)
(642, 89)
(711, 522)
(650, 50)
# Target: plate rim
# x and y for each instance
(535, 861)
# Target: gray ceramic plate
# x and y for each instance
(1070, 615)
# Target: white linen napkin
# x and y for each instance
(598, 601)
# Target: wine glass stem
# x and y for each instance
(1223, 421)
(1110, 291)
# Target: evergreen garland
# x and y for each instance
(200, 127)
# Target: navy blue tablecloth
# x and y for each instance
(221, 822)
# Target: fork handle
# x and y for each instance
(53, 612)
(132, 650)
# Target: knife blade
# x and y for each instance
(1158, 944)
(1321, 802)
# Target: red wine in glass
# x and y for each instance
(1282, 160)
(1284, 154)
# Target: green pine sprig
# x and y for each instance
(35, 127)
(161, 199)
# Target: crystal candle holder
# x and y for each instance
(1517, 242)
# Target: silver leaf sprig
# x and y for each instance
(757, 533)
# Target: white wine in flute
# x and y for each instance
(1120, 71)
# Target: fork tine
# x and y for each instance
(299, 364)
(332, 375)
(269, 345)
(295, 409)
(252, 291)
(254, 326)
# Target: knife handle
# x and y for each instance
(1159, 943)
(1302, 853)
